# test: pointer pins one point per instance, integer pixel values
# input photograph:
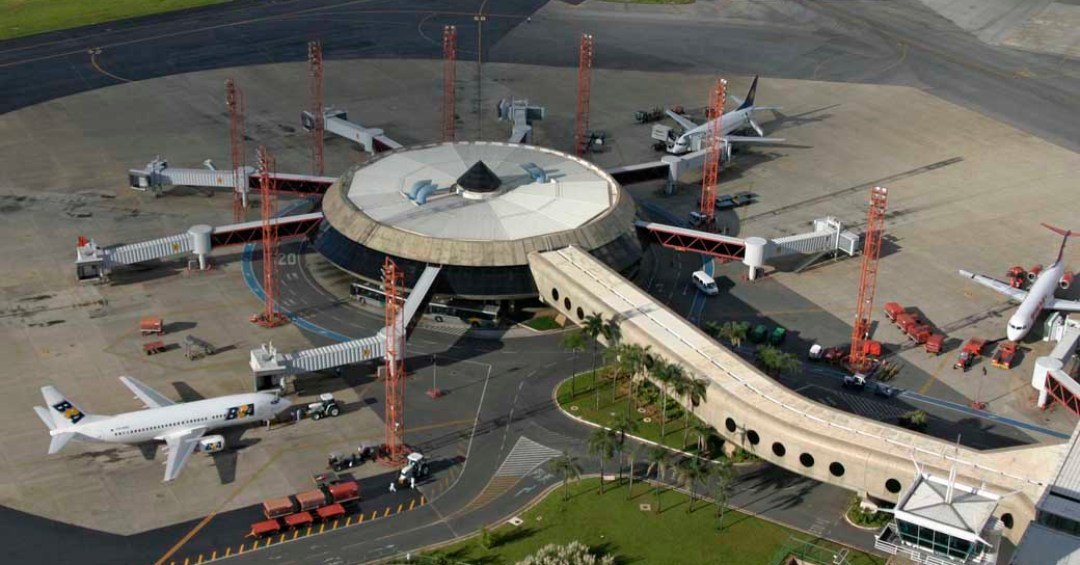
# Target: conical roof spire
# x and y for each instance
(479, 178)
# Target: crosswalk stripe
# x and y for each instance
(525, 456)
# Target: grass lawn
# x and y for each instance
(27, 17)
(585, 401)
(543, 323)
(614, 525)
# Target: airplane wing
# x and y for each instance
(181, 445)
(1064, 305)
(1014, 293)
(685, 123)
(150, 397)
(752, 139)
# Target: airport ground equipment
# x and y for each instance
(1005, 355)
(935, 344)
(327, 406)
(301, 509)
(94, 262)
(416, 468)
(647, 116)
(969, 353)
(152, 325)
(195, 348)
(919, 331)
(338, 461)
(153, 347)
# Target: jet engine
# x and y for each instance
(211, 444)
(1066, 280)
(1033, 273)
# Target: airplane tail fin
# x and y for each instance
(61, 412)
(1064, 239)
(749, 101)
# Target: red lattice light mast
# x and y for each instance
(269, 317)
(393, 286)
(584, 88)
(234, 100)
(875, 228)
(714, 142)
(449, 50)
(315, 64)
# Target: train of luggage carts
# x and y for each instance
(334, 496)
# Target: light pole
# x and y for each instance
(434, 392)
(479, 18)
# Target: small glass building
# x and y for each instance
(940, 521)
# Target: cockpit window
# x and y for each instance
(275, 400)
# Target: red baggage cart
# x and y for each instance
(298, 520)
(264, 528)
(330, 512)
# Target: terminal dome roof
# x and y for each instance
(509, 191)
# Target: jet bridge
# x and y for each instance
(93, 261)
(371, 140)
(521, 115)
(828, 235)
(269, 366)
(157, 175)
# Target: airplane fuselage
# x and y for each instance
(1041, 292)
(154, 423)
(730, 122)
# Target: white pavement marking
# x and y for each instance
(524, 457)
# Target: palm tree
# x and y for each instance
(593, 326)
(575, 343)
(721, 487)
(703, 431)
(658, 459)
(690, 471)
(623, 425)
(631, 459)
(734, 332)
(775, 361)
(602, 444)
(640, 357)
(694, 392)
(620, 356)
(566, 467)
(670, 375)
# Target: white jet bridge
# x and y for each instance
(94, 262)
(371, 140)
(268, 365)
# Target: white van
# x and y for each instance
(705, 283)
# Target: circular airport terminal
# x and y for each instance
(478, 209)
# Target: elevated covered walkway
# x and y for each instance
(751, 410)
